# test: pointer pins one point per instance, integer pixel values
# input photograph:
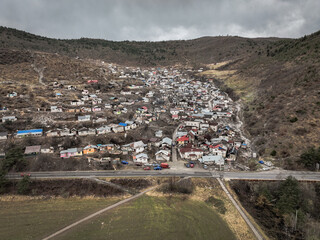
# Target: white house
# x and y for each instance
(158, 134)
(77, 103)
(65, 132)
(219, 150)
(204, 126)
(55, 109)
(192, 124)
(9, 119)
(138, 147)
(84, 118)
(103, 130)
(166, 142)
(191, 153)
(163, 155)
(47, 150)
(210, 159)
(131, 125)
(141, 158)
(3, 135)
(116, 128)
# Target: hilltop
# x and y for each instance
(202, 50)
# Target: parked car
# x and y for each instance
(147, 168)
(187, 165)
(124, 162)
(191, 164)
(262, 162)
(157, 168)
(164, 165)
(138, 164)
(156, 164)
(205, 166)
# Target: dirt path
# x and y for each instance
(238, 126)
(244, 216)
(97, 213)
(113, 185)
(40, 72)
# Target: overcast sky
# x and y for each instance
(155, 20)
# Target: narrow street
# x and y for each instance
(173, 148)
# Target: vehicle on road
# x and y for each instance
(157, 168)
(25, 174)
(124, 162)
(147, 168)
(164, 165)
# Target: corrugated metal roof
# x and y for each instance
(30, 131)
(32, 149)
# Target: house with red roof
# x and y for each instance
(183, 140)
(175, 117)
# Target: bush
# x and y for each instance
(3, 182)
(13, 160)
(24, 185)
(310, 158)
(217, 203)
(294, 119)
(184, 186)
(273, 153)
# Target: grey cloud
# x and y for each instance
(161, 19)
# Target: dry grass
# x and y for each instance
(18, 198)
(204, 188)
(244, 210)
(218, 74)
(210, 187)
(214, 66)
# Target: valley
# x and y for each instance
(89, 118)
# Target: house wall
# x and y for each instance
(89, 151)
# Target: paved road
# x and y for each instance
(267, 175)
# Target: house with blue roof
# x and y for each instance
(31, 132)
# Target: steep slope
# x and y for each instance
(280, 89)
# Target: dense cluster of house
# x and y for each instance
(204, 112)
(200, 109)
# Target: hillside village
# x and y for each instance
(140, 117)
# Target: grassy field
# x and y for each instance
(151, 217)
(29, 218)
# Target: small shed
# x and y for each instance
(32, 150)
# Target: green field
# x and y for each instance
(36, 218)
(155, 218)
